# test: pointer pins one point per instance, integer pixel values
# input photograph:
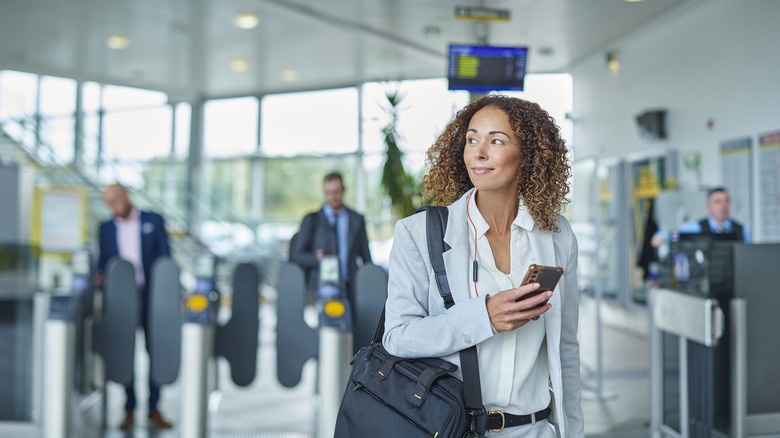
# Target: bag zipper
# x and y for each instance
(358, 386)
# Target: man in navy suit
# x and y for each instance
(140, 238)
(334, 229)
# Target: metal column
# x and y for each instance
(197, 345)
(59, 359)
(335, 350)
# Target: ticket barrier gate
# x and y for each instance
(83, 321)
(697, 325)
(114, 334)
(332, 342)
(203, 339)
(66, 367)
(60, 354)
(714, 344)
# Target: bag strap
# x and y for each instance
(436, 224)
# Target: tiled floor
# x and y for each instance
(266, 409)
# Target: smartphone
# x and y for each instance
(546, 276)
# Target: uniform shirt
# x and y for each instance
(128, 240)
(694, 227)
(513, 367)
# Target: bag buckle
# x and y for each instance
(503, 421)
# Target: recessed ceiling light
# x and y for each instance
(246, 20)
(239, 65)
(612, 60)
(634, 1)
(290, 75)
(117, 41)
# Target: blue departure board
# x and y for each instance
(481, 69)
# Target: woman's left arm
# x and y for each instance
(570, 350)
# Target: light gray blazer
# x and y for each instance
(417, 324)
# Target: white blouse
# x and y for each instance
(513, 367)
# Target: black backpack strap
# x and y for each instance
(436, 224)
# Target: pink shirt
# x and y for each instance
(128, 239)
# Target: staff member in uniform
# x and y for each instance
(718, 220)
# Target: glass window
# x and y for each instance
(166, 182)
(425, 109)
(555, 94)
(116, 97)
(181, 129)
(227, 189)
(230, 127)
(18, 93)
(90, 135)
(57, 137)
(58, 96)
(301, 190)
(311, 122)
(137, 135)
(90, 97)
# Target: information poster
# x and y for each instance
(735, 159)
(769, 179)
(59, 219)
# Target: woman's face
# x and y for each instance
(492, 153)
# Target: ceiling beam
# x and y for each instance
(343, 24)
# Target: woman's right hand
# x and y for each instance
(508, 310)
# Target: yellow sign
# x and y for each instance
(476, 13)
(334, 309)
(197, 303)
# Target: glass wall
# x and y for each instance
(315, 122)
(263, 156)
(230, 127)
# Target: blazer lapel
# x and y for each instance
(456, 259)
(543, 249)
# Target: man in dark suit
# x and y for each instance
(140, 238)
(334, 229)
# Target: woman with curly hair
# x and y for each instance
(501, 167)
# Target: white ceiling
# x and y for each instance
(184, 47)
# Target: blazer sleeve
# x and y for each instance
(302, 251)
(104, 253)
(362, 245)
(163, 246)
(416, 322)
(570, 350)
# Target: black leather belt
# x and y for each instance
(498, 420)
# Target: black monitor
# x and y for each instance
(482, 69)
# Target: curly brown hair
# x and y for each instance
(543, 173)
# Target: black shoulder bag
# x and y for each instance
(387, 396)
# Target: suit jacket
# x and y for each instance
(154, 242)
(417, 324)
(317, 233)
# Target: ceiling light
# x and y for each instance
(117, 41)
(290, 75)
(246, 20)
(239, 65)
(634, 1)
(612, 60)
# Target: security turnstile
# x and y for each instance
(203, 339)
(339, 327)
